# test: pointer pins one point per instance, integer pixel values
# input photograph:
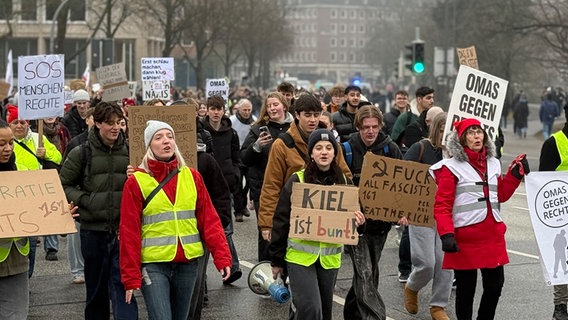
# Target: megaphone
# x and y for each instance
(261, 282)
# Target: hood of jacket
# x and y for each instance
(456, 150)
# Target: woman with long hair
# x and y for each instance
(274, 119)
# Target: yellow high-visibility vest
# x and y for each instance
(307, 252)
(562, 146)
(164, 223)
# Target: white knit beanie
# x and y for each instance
(153, 126)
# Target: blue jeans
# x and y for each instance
(167, 288)
(51, 243)
(546, 130)
(102, 278)
(76, 262)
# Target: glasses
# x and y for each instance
(474, 132)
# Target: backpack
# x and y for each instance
(349, 153)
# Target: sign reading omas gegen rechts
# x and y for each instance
(324, 213)
(33, 203)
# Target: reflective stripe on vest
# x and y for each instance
(164, 224)
(562, 147)
(470, 205)
(307, 252)
(22, 244)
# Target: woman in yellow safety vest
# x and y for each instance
(14, 291)
(312, 266)
(166, 216)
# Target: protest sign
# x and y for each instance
(156, 89)
(324, 213)
(41, 82)
(4, 88)
(477, 95)
(217, 87)
(391, 188)
(468, 56)
(69, 96)
(132, 86)
(180, 117)
(547, 196)
(114, 82)
(155, 69)
(33, 204)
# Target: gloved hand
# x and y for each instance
(449, 244)
(520, 166)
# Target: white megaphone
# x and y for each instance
(261, 282)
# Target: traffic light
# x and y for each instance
(415, 57)
(418, 62)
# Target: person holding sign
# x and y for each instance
(552, 159)
(166, 213)
(363, 300)
(468, 219)
(425, 244)
(312, 266)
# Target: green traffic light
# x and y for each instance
(418, 67)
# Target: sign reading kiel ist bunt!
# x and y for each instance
(390, 189)
(33, 204)
(324, 213)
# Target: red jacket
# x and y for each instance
(208, 224)
(481, 245)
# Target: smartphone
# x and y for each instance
(264, 129)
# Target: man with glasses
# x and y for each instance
(74, 120)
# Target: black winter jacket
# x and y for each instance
(74, 123)
(257, 161)
(95, 184)
(216, 186)
(226, 150)
(343, 122)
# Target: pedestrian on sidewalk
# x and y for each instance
(547, 114)
(521, 116)
(166, 218)
(468, 219)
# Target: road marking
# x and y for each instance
(523, 254)
(336, 298)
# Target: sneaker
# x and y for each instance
(78, 279)
(403, 278)
(560, 312)
(51, 256)
(454, 284)
(235, 275)
(239, 218)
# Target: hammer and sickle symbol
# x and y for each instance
(382, 170)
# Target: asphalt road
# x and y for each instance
(525, 295)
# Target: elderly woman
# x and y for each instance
(468, 217)
(312, 265)
(166, 218)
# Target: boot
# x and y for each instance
(410, 300)
(438, 313)
(560, 312)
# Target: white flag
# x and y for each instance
(87, 75)
(10, 73)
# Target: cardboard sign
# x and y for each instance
(477, 95)
(77, 84)
(324, 213)
(547, 196)
(41, 82)
(390, 189)
(217, 87)
(132, 86)
(155, 69)
(34, 204)
(180, 117)
(114, 82)
(4, 88)
(158, 89)
(468, 56)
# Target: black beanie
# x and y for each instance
(319, 135)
